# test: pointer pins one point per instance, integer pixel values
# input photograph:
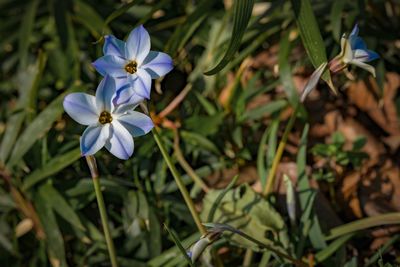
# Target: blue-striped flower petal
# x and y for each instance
(138, 45)
(111, 65)
(120, 143)
(136, 123)
(82, 108)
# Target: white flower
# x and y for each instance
(108, 125)
(132, 63)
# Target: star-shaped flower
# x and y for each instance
(108, 125)
(133, 62)
(353, 51)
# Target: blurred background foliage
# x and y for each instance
(342, 155)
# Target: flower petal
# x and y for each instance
(141, 83)
(362, 65)
(372, 55)
(157, 64)
(136, 123)
(138, 45)
(347, 52)
(113, 46)
(120, 143)
(127, 101)
(104, 94)
(312, 82)
(355, 30)
(94, 138)
(357, 43)
(82, 108)
(123, 94)
(111, 65)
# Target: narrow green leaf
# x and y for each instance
(241, 16)
(379, 220)
(53, 166)
(311, 35)
(25, 31)
(27, 82)
(332, 248)
(199, 140)
(39, 126)
(183, 32)
(310, 227)
(336, 19)
(120, 11)
(89, 18)
(214, 207)
(60, 205)
(178, 243)
(285, 72)
(261, 111)
(54, 239)
(262, 149)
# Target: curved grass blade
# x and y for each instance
(179, 245)
(241, 16)
(311, 36)
(60, 205)
(218, 200)
(53, 166)
(25, 32)
(37, 128)
(285, 72)
(379, 220)
(27, 81)
(333, 247)
(183, 33)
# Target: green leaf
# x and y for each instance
(53, 166)
(336, 18)
(210, 217)
(264, 110)
(311, 36)
(54, 239)
(241, 16)
(39, 126)
(89, 18)
(172, 255)
(27, 82)
(285, 72)
(310, 226)
(199, 140)
(243, 209)
(332, 248)
(379, 220)
(120, 11)
(178, 243)
(60, 205)
(184, 31)
(25, 31)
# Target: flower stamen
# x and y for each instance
(105, 117)
(131, 67)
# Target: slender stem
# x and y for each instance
(278, 155)
(185, 165)
(179, 182)
(91, 161)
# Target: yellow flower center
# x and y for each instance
(105, 117)
(131, 67)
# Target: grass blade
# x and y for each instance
(38, 127)
(379, 220)
(241, 16)
(311, 36)
(53, 166)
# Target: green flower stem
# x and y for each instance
(179, 182)
(272, 173)
(91, 161)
